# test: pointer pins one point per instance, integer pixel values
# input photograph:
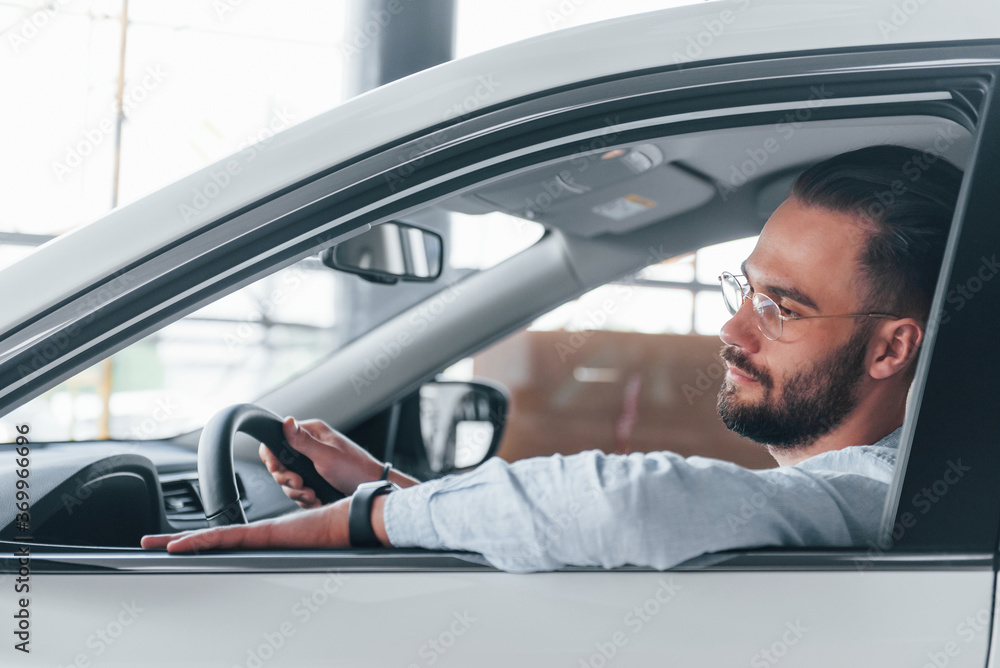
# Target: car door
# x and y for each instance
(925, 596)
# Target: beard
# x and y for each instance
(812, 402)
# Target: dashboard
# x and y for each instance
(111, 493)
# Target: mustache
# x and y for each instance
(741, 361)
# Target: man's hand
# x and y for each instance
(342, 462)
(324, 527)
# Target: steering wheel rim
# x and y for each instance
(216, 472)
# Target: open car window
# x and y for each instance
(612, 182)
(250, 342)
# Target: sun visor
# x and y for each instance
(614, 191)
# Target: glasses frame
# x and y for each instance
(760, 301)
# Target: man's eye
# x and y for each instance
(785, 311)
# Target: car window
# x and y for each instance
(248, 343)
(598, 398)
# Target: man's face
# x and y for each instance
(789, 392)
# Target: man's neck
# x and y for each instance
(875, 418)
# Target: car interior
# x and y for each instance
(607, 213)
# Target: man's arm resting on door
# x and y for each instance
(324, 527)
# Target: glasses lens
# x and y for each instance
(768, 316)
(731, 293)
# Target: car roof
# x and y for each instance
(677, 37)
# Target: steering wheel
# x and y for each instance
(217, 476)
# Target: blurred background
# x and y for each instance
(107, 100)
(195, 80)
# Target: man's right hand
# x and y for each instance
(342, 462)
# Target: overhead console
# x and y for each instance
(617, 190)
(620, 189)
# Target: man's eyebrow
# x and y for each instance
(784, 292)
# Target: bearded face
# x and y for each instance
(808, 404)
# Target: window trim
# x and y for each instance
(60, 560)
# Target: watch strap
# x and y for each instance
(359, 513)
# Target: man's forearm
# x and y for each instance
(402, 479)
(324, 527)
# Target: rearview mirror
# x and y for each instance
(389, 252)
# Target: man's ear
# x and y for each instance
(894, 347)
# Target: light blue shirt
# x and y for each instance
(647, 509)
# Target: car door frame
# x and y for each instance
(955, 554)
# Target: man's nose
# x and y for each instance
(741, 330)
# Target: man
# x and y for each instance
(828, 317)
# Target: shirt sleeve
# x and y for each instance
(647, 509)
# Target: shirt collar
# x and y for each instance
(890, 440)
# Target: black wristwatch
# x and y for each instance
(359, 513)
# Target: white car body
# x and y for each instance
(868, 607)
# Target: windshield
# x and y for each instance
(250, 342)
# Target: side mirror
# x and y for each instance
(389, 252)
(462, 423)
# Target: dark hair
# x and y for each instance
(905, 198)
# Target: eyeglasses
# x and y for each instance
(767, 314)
